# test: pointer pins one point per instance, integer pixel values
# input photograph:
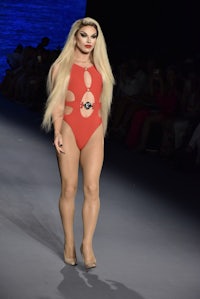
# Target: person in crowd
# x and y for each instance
(43, 53)
(162, 107)
(187, 158)
(80, 90)
(14, 59)
(179, 130)
(131, 86)
(194, 144)
(189, 109)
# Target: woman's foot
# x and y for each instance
(90, 260)
(70, 256)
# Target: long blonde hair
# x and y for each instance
(59, 73)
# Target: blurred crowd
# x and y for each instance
(155, 109)
(25, 79)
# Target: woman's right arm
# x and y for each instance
(57, 117)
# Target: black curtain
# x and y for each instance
(159, 28)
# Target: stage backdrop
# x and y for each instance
(27, 21)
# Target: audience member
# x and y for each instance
(188, 157)
(179, 130)
(131, 85)
(163, 103)
(14, 59)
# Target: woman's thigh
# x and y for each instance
(92, 156)
(69, 161)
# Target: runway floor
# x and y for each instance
(147, 239)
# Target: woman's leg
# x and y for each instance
(91, 161)
(68, 167)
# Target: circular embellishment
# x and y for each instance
(87, 105)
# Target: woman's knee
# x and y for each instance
(69, 191)
(91, 190)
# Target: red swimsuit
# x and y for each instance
(82, 103)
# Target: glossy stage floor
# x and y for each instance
(147, 239)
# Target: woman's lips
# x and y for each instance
(88, 46)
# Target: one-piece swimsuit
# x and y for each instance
(82, 104)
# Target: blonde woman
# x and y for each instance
(80, 89)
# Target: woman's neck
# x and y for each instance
(83, 60)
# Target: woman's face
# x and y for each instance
(86, 39)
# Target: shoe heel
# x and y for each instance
(88, 264)
(72, 261)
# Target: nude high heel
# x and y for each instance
(72, 261)
(88, 264)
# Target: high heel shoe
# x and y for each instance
(72, 261)
(90, 263)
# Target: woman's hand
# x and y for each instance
(58, 143)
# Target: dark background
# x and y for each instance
(165, 29)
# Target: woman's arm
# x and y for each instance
(57, 117)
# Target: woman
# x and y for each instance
(80, 87)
